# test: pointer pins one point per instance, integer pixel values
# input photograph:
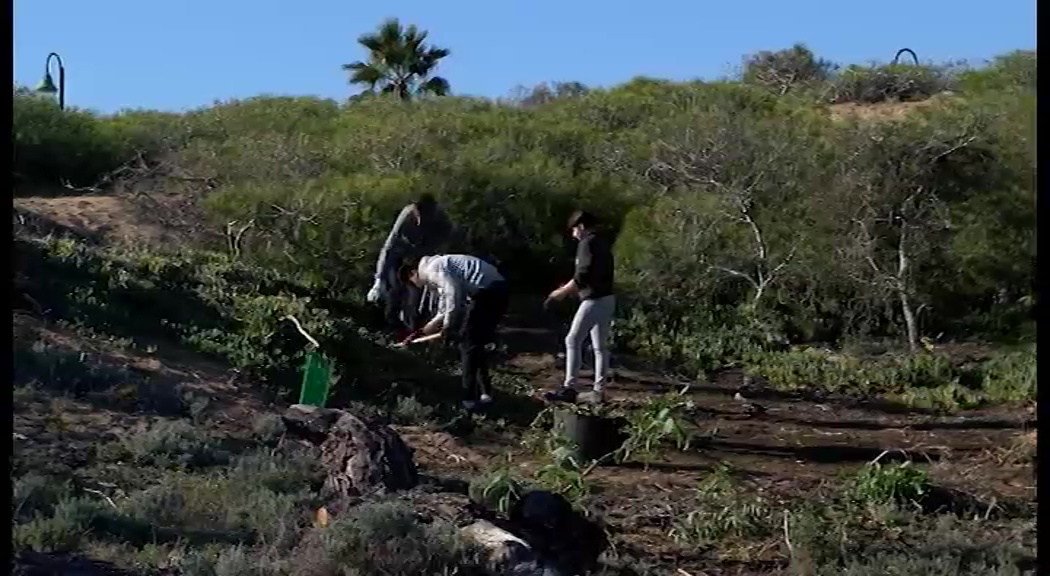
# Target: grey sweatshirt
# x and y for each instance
(410, 238)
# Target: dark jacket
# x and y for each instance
(594, 267)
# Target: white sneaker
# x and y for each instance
(485, 399)
(595, 396)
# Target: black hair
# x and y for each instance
(582, 218)
(426, 202)
(407, 268)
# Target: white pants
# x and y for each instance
(593, 317)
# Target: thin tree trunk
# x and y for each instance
(902, 289)
(909, 320)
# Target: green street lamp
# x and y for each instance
(47, 85)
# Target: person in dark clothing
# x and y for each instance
(592, 282)
(421, 229)
(474, 299)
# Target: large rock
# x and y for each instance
(508, 555)
(561, 536)
(361, 456)
(544, 536)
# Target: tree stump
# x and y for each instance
(360, 456)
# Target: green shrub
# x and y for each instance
(821, 369)
(65, 370)
(409, 411)
(894, 82)
(497, 489)
(924, 379)
(173, 443)
(230, 309)
(1011, 376)
(897, 483)
(1012, 71)
(61, 531)
(722, 510)
(269, 427)
(785, 70)
(52, 146)
(388, 538)
(282, 473)
(736, 209)
(940, 546)
(228, 561)
(34, 495)
(226, 506)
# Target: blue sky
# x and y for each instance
(177, 55)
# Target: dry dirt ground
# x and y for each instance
(152, 219)
(786, 446)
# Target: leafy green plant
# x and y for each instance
(821, 369)
(1011, 376)
(498, 489)
(721, 510)
(410, 411)
(562, 472)
(896, 483)
(658, 421)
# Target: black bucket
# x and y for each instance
(594, 436)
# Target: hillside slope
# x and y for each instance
(152, 432)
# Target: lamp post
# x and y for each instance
(914, 58)
(47, 85)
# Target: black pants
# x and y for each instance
(484, 313)
(403, 298)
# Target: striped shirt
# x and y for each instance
(456, 277)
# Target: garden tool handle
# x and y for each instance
(299, 327)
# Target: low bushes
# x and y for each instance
(203, 299)
(738, 210)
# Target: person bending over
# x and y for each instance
(474, 298)
(421, 229)
(592, 282)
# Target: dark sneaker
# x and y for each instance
(563, 394)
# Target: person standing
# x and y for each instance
(592, 282)
(474, 299)
(422, 228)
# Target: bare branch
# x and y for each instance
(786, 260)
(737, 273)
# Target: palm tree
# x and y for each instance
(399, 62)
